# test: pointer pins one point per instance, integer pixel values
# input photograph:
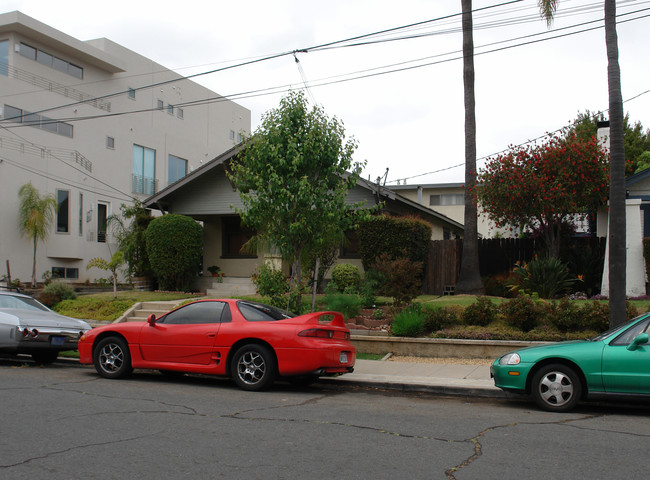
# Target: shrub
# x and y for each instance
(400, 278)
(348, 305)
(270, 282)
(567, 316)
(497, 285)
(409, 322)
(55, 292)
(440, 317)
(547, 277)
(368, 288)
(174, 248)
(521, 312)
(482, 312)
(346, 277)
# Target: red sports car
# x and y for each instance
(251, 342)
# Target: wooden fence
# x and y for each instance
(496, 255)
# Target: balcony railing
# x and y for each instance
(144, 185)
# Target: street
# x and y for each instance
(65, 422)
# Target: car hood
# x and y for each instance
(569, 349)
(33, 318)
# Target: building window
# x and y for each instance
(179, 113)
(131, 93)
(176, 168)
(160, 105)
(170, 109)
(4, 57)
(232, 134)
(81, 214)
(102, 215)
(62, 214)
(34, 120)
(144, 170)
(234, 237)
(51, 61)
(110, 143)
(447, 199)
(63, 272)
(350, 247)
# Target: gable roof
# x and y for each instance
(394, 203)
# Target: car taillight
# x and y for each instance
(324, 333)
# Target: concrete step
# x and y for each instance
(232, 287)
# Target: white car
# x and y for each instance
(28, 326)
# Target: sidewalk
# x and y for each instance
(437, 378)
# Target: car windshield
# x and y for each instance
(617, 329)
(15, 301)
(258, 312)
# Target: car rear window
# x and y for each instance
(14, 301)
(258, 312)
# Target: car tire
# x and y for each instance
(253, 367)
(45, 357)
(556, 388)
(112, 358)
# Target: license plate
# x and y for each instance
(57, 340)
(343, 357)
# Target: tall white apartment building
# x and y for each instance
(96, 125)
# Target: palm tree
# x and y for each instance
(36, 217)
(469, 280)
(617, 224)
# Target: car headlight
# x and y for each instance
(510, 359)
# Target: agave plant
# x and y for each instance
(546, 277)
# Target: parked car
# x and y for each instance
(251, 342)
(557, 376)
(28, 326)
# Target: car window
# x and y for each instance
(13, 301)
(628, 335)
(258, 312)
(195, 313)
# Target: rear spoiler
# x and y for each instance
(335, 319)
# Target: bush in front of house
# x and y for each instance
(346, 277)
(522, 312)
(174, 247)
(482, 312)
(55, 292)
(400, 278)
(409, 322)
(437, 318)
(348, 304)
(270, 282)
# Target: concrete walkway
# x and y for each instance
(438, 378)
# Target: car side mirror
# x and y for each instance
(151, 319)
(640, 339)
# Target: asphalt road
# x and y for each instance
(65, 422)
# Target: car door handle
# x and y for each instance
(211, 335)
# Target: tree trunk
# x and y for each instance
(469, 280)
(34, 284)
(617, 224)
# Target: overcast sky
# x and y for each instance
(409, 121)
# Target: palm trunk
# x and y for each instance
(34, 284)
(469, 280)
(617, 224)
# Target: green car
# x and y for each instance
(559, 375)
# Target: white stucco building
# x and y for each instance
(96, 125)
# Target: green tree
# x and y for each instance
(617, 222)
(469, 279)
(129, 229)
(293, 178)
(542, 187)
(36, 217)
(116, 261)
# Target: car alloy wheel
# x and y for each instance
(253, 367)
(112, 358)
(556, 388)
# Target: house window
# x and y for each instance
(234, 237)
(110, 143)
(63, 272)
(350, 247)
(131, 93)
(62, 214)
(34, 120)
(4, 57)
(232, 134)
(176, 168)
(160, 105)
(447, 199)
(102, 216)
(179, 113)
(81, 213)
(170, 109)
(51, 61)
(240, 138)
(144, 170)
